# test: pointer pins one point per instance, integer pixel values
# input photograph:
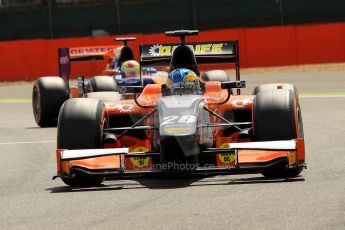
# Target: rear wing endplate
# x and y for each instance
(73, 54)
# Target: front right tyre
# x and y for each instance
(276, 117)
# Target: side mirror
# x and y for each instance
(233, 84)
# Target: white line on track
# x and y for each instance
(321, 96)
(25, 142)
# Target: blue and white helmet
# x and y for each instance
(181, 75)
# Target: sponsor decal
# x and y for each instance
(226, 158)
(158, 50)
(240, 104)
(64, 60)
(155, 50)
(140, 162)
(124, 108)
(80, 51)
(64, 66)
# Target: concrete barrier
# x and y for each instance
(259, 47)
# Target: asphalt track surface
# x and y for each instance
(29, 199)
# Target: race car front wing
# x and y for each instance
(246, 157)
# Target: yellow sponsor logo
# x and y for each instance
(197, 49)
(140, 162)
(226, 158)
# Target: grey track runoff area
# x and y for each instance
(29, 199)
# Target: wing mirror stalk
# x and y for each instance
(233, 84)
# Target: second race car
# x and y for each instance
(50, 92)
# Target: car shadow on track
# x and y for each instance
(172, 183)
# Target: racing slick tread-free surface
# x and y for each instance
(274, 119)
(80, 127)
(215, 75)
(48, 94)
(264, 87)
(103, 83)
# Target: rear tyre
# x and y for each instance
(103, 83)
(215, 75)
(80, 126)
(274, 119)
(48, 94)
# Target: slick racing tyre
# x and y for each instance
(80, 126)
(48, 94)
(273, 86)
(215, 75)
(103, 83)
(274, 118)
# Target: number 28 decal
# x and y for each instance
(178, 119)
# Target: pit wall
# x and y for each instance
(259, 47)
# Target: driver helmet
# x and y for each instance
(130, 68)
(181, 75)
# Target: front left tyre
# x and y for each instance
(80, 126)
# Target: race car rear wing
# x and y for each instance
(73, 54)
(205, 53)
(89, 53)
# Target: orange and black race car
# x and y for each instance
(206, 127)
(49, 93)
